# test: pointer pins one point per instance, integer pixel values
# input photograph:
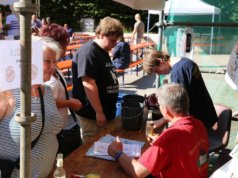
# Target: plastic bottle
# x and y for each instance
(59, 171)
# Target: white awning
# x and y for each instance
(185, 7)
(143, 4)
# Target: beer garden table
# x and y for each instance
(78, 163)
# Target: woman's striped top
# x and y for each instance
(45, 150)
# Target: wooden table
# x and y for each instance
(78, 163)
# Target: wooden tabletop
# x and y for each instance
(78, 163)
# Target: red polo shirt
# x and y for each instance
(180, 151)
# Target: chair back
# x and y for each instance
(220, 132)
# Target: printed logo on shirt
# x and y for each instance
(203, 158)
(113, 89)
(114, 77)
(109, 65)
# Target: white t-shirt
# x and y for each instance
(14, 25)
(58, 93)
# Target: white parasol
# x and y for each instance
(143, 4)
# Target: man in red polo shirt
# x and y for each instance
(181, 151)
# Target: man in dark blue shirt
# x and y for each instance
(186, 72)
(121, 54)
(35, 22)
(69, 30)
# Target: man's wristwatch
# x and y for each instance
(118, 155)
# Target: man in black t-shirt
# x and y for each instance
(186, 72)
(95, 82)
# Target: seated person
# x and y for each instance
(35, 22)
(69, 30)
(121, 54)
(180, 151)
(45, 150)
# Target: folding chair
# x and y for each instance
(220, 132)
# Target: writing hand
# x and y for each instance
(115, 147)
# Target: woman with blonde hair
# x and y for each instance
(48, 124)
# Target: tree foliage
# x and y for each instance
(229, 9)
(71, 11)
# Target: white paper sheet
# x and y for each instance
(231, 76)
(228, 170)
(10, 61)
(99, 149)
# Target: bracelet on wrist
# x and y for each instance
(118, 155)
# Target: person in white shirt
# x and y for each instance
(12, 25)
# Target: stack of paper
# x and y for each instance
(99, 149)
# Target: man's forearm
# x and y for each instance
(132, 167)
(91, 91)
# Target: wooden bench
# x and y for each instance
(62, 65)
(73, 47)
(68, 64)
(83, 39)
(131, 65)
(208, 44)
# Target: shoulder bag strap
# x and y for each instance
(17, 163)
(43, 116)
(66, 94)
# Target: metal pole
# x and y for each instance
(161, 31)
(148, 26)
(26, 9)
(199, 24)
(212, 31)
(161, 17)
(38, 8)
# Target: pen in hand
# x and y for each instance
(118, 139)
(119, 144)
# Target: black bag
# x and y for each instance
(6, 167)
(69, 140)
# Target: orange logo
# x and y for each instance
(10, 74)
(34, 71)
